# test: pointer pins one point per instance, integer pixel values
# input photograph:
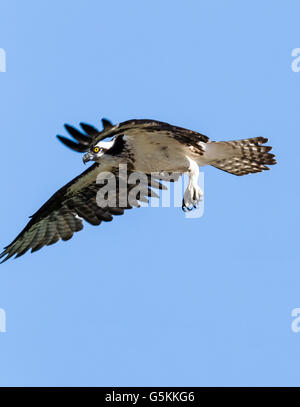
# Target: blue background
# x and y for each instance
(152, 298)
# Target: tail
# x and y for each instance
(241, 157)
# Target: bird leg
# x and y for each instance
(193, 194)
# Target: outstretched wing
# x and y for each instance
(137, 127)
(63, 213)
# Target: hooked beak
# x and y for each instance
(87, 157)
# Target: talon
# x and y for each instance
(186, 208)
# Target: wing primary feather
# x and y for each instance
(80, 148)
(107, 124)
(90, 130)
(82, 138)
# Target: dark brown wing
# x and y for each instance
(63, 213)
(135, 127)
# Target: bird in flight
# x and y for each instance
(144, 146)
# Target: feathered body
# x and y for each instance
(145, 146)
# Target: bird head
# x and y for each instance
(97, 151)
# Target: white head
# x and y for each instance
(97, 151)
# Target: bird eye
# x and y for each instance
(96, 149)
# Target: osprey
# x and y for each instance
(145, 146)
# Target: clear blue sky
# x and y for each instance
(152, 298)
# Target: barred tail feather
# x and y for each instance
(241, 157)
